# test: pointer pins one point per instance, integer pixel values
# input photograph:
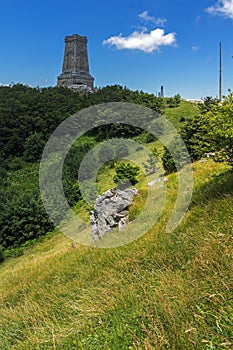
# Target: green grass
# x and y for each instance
(186, 110)
(163, 291)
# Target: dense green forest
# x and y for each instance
(29, 115)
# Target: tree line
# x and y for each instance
(209, 132)
(29, 115)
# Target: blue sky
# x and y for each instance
(141, 44)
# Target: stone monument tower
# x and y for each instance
(75, 70)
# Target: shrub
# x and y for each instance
(151, 164)
(178, 159)
(168, 162)
(126, 175)
(173, 101)
(14, 252)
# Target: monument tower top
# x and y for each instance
(75, 69)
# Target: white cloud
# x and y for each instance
(222, 7)
(147, 42)
(1, 84)
(144, 16)
(161, 21)
(140, 28)
(195, 48)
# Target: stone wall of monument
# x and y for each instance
(75, 70)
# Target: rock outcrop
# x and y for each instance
(110, 210)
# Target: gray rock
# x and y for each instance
(111, 210)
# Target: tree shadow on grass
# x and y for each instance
(218, 187)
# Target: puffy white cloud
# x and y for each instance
(222, 7)
(147, 42)
(144, 16)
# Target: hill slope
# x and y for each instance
(185, 110)
(164, 291)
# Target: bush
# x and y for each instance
(178, 159)
(14, 252)
(126, 175)
(15, 163)
(152, 163)
(168, 162)
(173, 101)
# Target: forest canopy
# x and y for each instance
(29, 115)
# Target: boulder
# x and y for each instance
(111, 210)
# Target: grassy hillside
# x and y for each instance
(185, 110)
(164, 291)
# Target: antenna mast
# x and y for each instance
(220, 73)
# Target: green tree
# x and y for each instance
(173, 101)
(152, 163)
(196, 135)
(22, 214)
(211, 130)
(208, 103)
(175, 157)
(168, 162)
(177, 99)
(34, 146)
(126, 175)
(220, 119)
